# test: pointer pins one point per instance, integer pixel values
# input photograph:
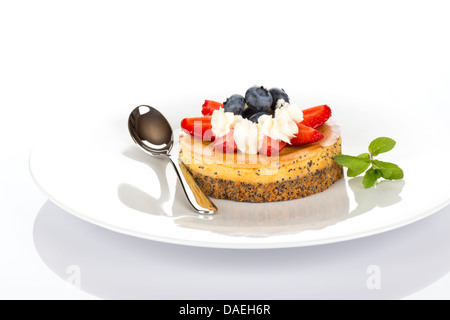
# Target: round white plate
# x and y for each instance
(90, 167)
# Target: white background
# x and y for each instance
(60, 59)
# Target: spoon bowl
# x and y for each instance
(151, 131)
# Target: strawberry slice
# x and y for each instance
(271, 146)
(225, 143)
(199, 127)
(316, 116)
(306, 135)
(209, 106)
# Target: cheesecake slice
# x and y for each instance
(296, 172)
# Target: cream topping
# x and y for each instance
(222, 122)
(249, 135)
(283, 126)
(294, 112)
(280, 103)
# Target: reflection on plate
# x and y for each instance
(241, 219)
(311, 213)
(261, 219)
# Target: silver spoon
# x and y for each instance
(152, 133)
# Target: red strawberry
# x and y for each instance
(271, 146)
(209, 106)
(199, 127)
(225, 143)
(306, 135)
(316, 116)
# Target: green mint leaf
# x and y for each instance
(364, 156)
(381, 145)
(389, 170)
(356, 165)
(385, 173)
(353, 172)
(384, 170)
(371, 176)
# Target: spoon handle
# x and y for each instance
(195, 195)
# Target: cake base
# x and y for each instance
(282, 190)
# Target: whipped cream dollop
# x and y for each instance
(294, 112)
(280, 103)
(222, 122)
(283, 126)
(249, 135)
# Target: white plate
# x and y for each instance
(92, 169)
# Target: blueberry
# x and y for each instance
(276, 95)
(252, 114)
(235, 104)
(258, 98)
(255, 117)
(248, 112)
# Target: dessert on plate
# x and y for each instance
(261, 148)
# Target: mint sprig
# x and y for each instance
(378, 169)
